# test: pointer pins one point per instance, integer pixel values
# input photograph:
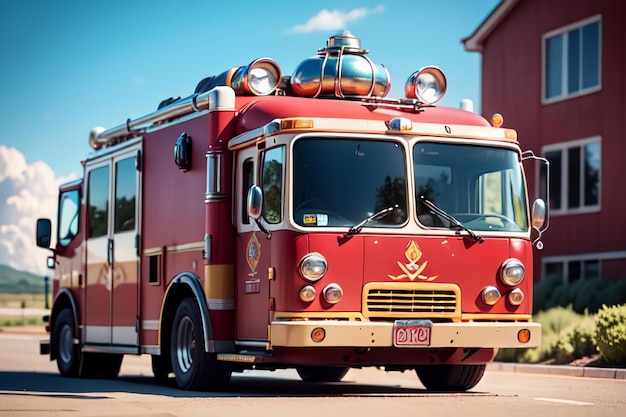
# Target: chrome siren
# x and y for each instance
(341, 70)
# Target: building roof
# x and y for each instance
(474, 42)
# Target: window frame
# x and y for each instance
(563, 33)
(564, 147)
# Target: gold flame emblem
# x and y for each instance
(253, 252)
(413, 269)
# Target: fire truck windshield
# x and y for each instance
(338, 182)
(480, 186)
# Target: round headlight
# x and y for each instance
(307, 294)
(261, 77)
(332, 293)
(516, 297)
(490, 295)
(513, 272)
(313, 267)
(428, 85)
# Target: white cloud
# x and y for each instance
(27, 192)
(327, 20)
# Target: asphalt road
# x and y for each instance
(30, 386)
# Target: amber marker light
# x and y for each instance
(318, 334)
(497, 120)
(523, 336)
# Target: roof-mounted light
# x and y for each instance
(261, 77)
(341, 69)
(427, 85)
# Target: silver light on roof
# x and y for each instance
(341, 69)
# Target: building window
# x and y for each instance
(572, 60)
(575, 169)
(572, 269)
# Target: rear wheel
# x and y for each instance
(194, 368)
(67, 352)
(322, 373)
(450, 377)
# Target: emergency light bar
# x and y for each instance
(340, 70)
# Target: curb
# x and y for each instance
(560, 370)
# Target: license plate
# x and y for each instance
(412, 332)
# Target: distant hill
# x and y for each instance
(13, 281)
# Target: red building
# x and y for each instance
(556, 71)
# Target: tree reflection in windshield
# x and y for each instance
(480, 186)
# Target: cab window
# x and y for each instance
(68, 217)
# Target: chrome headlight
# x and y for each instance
(490, 295)
(512, 272)
(307, 293)
(313, 267)
(428, 85)
(332, 293)
(516, 297)
(261, 77)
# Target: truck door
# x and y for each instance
(254, 250)
(112, 285)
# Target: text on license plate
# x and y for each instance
(411, 332)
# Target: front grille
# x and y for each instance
(400, 301)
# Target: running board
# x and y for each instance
(234, 357)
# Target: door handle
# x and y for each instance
(110, 252)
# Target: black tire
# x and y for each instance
(322, 373)
(67, 353)
(450, 377)
(161, 366)
(194, 368)
(100, 365)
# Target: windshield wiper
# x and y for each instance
(356, 229)
(451, 219)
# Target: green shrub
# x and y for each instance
(584, 294)
(614, 294)
(610, 333)
(566, 335)
(581, 338)
(543, 292)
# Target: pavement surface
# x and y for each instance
(522, 368)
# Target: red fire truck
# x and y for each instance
(303, 221)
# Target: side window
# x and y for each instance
(98, 202)
(68, 217)
(125, 195)
(247, 180)
(272, 181)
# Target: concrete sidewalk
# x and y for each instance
(559, 370)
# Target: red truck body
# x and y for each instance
(308, 224)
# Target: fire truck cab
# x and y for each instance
(303, 221)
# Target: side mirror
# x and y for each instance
(539, 213)
(255, 202)
(44, 233)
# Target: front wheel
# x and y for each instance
(67, 352)
(450, 377)
(322, 373)
(193, 367)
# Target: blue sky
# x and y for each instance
(70, 65)
(67, 66)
